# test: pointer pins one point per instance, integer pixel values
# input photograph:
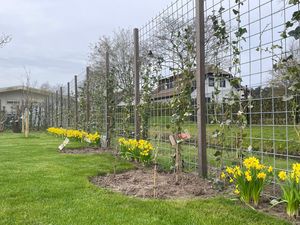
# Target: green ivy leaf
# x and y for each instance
(283, 35)
(235, 11)
(296, 15)
(289, 24)
(295, 33)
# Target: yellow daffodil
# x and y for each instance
(261, 175)
(282, 175)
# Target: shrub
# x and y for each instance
(249, 179)
(138, 150)
(289, 183)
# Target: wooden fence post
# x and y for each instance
(68, 105)
(76, 104)
(56, 109)
(107, 96)
(88, 100)
(200, 81)
(61, 107)
(136, 71)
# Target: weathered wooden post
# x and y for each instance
(61, 107)
(27, 118)
(200, 84)
(56, 108)
(107, 96)
(68, 105)
(52, 109)
(88, 100)
(23, 116)
(26, 122)
(46, 112)
(76, 104)
(136, 71)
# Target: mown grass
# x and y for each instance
(266, 138)
(278, 139)
(38, 185)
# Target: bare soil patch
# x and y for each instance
(139, 183)
(88, 150)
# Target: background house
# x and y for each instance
(12, 98)
(166, 86)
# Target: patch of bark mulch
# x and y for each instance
(87, 150)
(139, 183)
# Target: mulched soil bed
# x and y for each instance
(86, 151)
(139, 183)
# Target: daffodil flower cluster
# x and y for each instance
(138, 150)
(78, 135)
(249, 179)
(290, 186)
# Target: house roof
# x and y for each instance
(23, 89)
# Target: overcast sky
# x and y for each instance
(51, 38)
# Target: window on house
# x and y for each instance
(169, 85)
(211, 81)
(194, 84)
(161, 87)
(13, 102)
(223, 83)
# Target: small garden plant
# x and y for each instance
(137, 150)
(290, 186)
(249, 179)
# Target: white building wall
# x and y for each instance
(17, 96)
(224, 91)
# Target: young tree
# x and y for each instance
(120, 85)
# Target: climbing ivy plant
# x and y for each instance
(221, 37)
(151, 69)
(234, 100)
(288, 66)
(237, 94)
(181, 103)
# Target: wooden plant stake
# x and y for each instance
(155, 175)
(26, 122)
(175, 145)
(178, 168)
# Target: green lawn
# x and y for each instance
(39, 186)
(267, 138)
(262, 138)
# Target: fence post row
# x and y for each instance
(136, 72)
(76, 103)
(200, 83)
(107, 96)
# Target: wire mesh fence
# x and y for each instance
(148, 88)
